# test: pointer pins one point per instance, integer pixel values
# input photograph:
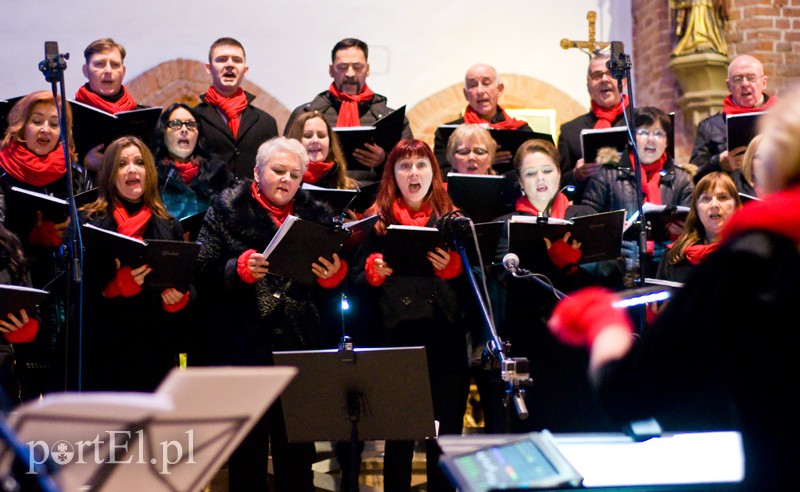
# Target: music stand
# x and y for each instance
(367, 394)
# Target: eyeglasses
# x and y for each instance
(177, 124)
(739, 79)
(475, 150)
(656, 134)
(599, 75)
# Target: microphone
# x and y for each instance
(619, 62)
(511, 263)
(53, 64)
(454, 223)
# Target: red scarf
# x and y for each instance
(698, 252)
(348, 113)
(405, 216)
(316, 170)
(557, 211)
(730, 107)
(277, 213)
(131, 225)
(651, 179)
(777, 213)
(23, 165)
(232, 106)
(508, 123)
(607, 116)
(124, 103)
(187, 170)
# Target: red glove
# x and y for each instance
(453, 268)
(579, 318)
(563, 255)
(372, 276)
(174, 308)
(122, 284)
(26, 333)
(45, 234)
(332, 282)
(241, 267)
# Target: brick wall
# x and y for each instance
(768, 30)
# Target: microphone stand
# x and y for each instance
(53, 67)
(619, 65)
(515, 372)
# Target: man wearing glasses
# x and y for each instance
(606, 111)
(482, 90)
(746, 83)
(233, 128)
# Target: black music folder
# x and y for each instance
(299, 243)
(173, 262)
(600, 236)
(742, 128)
(14, 298)
(385, 132)
(365, 197)
(53, 209)
(488, 236)
(482, 197)
(406, 249)
(92, 127)
(592, 140)
(338, 199)
(658, 218)
(359, 231)
(192, 224)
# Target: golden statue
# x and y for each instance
(700, 25)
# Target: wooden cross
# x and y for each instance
(591, 46)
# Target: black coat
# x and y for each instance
(245, 322)
(369, 112)
(710, 141)
(256, 127)
(129, 344)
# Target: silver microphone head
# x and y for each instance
(511, 262)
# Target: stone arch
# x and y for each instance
(182, 80)
(520, 92)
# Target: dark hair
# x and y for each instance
(225, 42)
(158, 145)
(533, 146)
(693, 230)
(107, 183)
(335, 153)
(649, 115)
(102, 45)
(12, 257)
(350, 43)
(437, 196)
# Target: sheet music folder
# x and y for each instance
(592, 140)
(175, 439)
(392, 383)
(600, 236)
(741, 128)
(92, 126)
(385, 132)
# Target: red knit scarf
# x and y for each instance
(405, 216)
(23, 165)
(348, 113)
(698, 252)
(187, 170)
(651, 179)
(607, 116)
(779, 213)
(277, 213)
(471, 116)
(232, 107)
(131, 225)
(730, 107)
(316, 170)
(557, 211)
(124, 103)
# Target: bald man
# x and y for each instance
(482, 90)
(746, 83)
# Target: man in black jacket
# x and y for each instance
(349, 102)
(232, 126)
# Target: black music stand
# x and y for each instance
(364, 394)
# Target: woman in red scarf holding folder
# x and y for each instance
(560, 400)
(128, 341)
(725, 330)
(417, 310)
(31, 158)
(250, 311)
